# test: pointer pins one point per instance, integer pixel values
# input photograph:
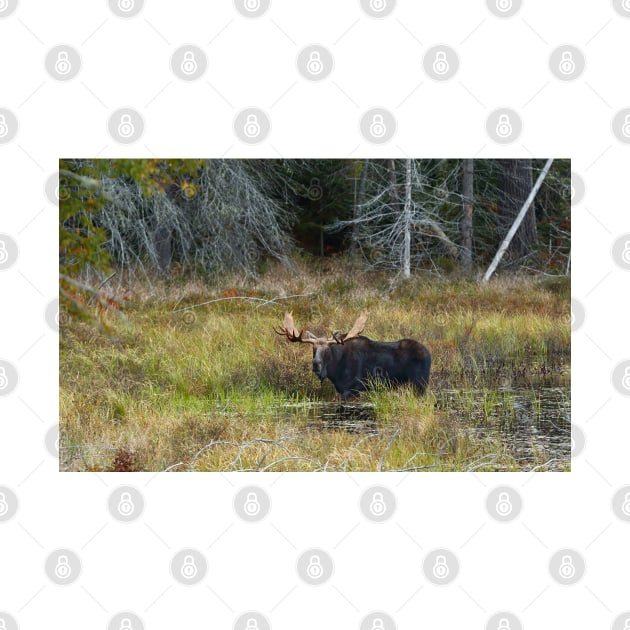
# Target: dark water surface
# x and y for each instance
(527, 412)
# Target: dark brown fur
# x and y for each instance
(351, 365)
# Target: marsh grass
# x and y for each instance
(213, 388)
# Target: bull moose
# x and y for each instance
(351, 360)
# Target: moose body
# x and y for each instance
(352, 365)
(351, 361)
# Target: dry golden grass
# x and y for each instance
(213, 388)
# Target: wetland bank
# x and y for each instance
(178, 386)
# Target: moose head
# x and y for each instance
(321, 345)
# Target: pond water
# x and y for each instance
(525, 414)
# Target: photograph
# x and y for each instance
(315, 315)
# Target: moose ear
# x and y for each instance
(339, 337)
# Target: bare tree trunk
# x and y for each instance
(466, 222)
(354, 239)
(163, 247)
(518, 221)
(515, 183)
(407, 222)
(393, 186)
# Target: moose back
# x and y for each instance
(352, 360)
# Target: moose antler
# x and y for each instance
(357, 328)
(290, 331)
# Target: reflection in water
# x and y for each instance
(354, 418)
(514, 409)
(530, 423)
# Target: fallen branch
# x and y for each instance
(517, 222)
(241, 297)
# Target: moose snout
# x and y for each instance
(319, 369)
